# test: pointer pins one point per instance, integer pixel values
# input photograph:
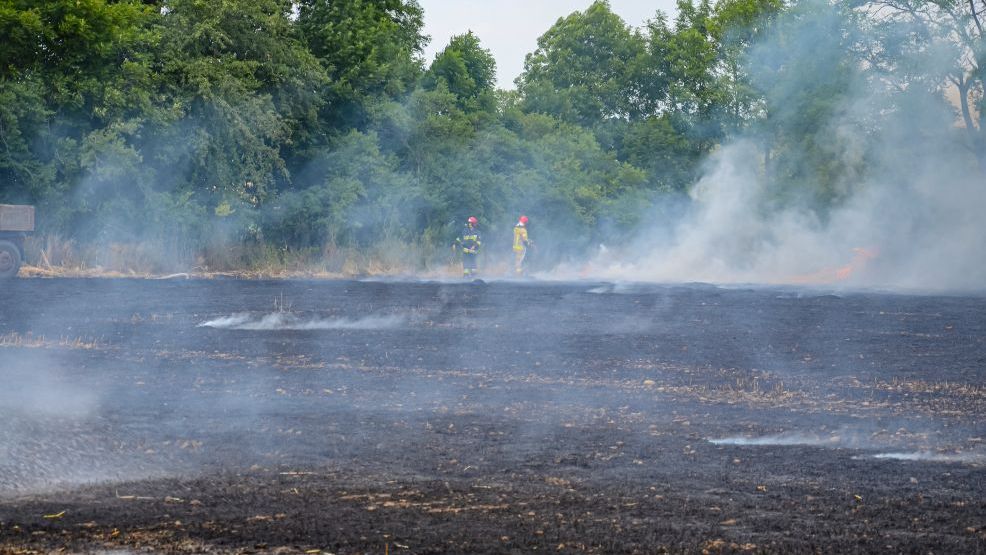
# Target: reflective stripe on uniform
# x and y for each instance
(520, 237)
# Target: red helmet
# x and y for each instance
(523, 220)
(472, 220)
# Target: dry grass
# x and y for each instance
(30, 341)
(55, 256)
(900, 385)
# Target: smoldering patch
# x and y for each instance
(930, 456)
(643, 287)
(277, 321)
(788, 439)
(875, 447)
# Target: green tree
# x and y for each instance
(585, 69)
(27, 167)
(924, 43)
(661, 146)
(370, 49)
(240, 83)
(738, 25)
(68, 69)
(91, 55)
(566, 178)
(356, 197)
(468, 71)
(806, 73)
(684, 61)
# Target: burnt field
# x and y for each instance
(404, 417)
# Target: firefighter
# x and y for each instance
(469, 242)
(521, 244)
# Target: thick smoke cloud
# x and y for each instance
(908, 195)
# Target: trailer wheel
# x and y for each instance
(10, 259)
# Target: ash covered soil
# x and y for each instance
(407, 417)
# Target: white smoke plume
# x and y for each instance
(887, 448)
(908, 208)
(973, 458)
(288, 321)
(779, 439)
(917, 235)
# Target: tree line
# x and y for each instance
(299, 124)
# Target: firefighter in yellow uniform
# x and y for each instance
(521, 244)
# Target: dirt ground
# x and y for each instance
(233, 416)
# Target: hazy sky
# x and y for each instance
(510, 28)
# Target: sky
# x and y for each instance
(510, 28)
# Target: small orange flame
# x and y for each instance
(832, 275)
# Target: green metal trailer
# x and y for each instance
(16, 223)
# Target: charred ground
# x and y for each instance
(371, 417)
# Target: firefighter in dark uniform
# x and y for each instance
(469, 244)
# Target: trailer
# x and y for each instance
(16, 223)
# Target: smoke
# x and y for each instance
(51, 437)
(779, 439)
(290, 321)
(895, 447)
(852, 180)
(933, 457)
(39, 386)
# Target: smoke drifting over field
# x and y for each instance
(40, 386)
(779, 439)
(908, 195)
(47, 440)
(550, 388)
(913, 236)
(934, 457)
(876, 446)
(290, 321)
